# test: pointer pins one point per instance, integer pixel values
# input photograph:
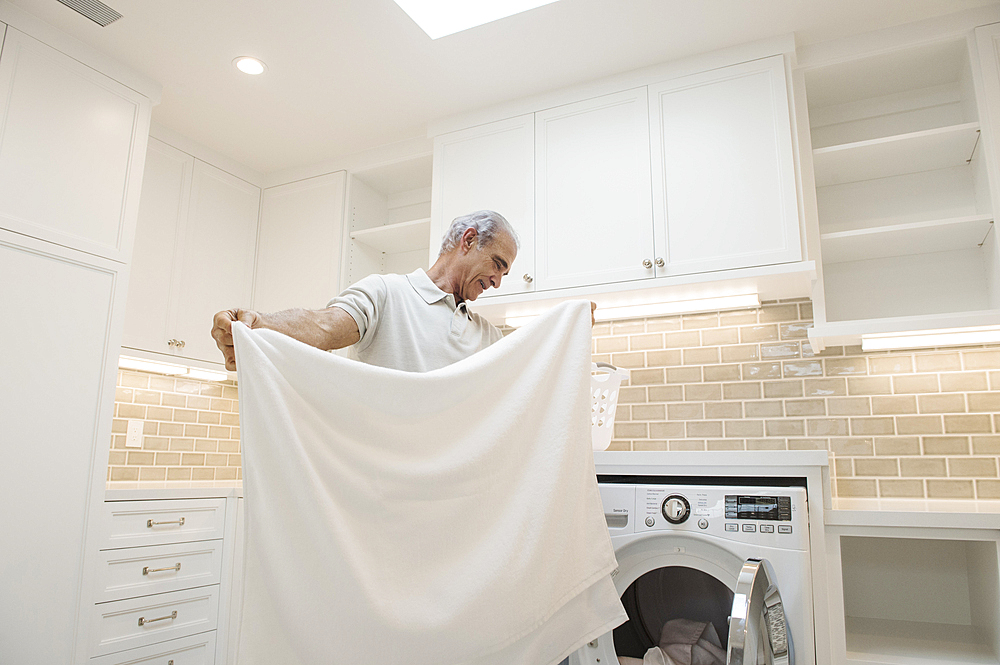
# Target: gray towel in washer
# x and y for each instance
(689, 642)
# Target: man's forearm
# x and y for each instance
(330, 328)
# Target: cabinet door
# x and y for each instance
(298, 251)
(489, 168)
(166, 192)
(593, 212)
(723, 171)
(69, 137)
(216, 255)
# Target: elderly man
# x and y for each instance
(417, 322)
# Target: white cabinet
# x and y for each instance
(593, 208)
(490, 167)
(70, 149)
(299, 243)
(195, 243)
(723, 170)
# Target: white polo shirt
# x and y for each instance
(406, 322)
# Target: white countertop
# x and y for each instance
(940, 513)
(172, 489)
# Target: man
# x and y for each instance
(417, 322)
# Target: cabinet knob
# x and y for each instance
(646, 263)
(659, 262)
(179, 343)
(528, 278)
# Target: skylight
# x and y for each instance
(439, 18)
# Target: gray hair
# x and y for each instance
(488, 225)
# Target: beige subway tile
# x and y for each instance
(231, 419)
(950, 489)
(725, 444)
(668, 430)
(779, 350)
(185, 416)
(945, 361)
(181, 444)
(808, 444)
(124, 473)
(199, 402)
(193, 459)
(775, 313)
(168, 459)
(701, 356)
(984, 402)
(633, 327)
(843, 467)
(649, 412)
(876, 466)
(699, 429)
(209, 417)
(229, 392)
(152, 473)
(720, 336)
(747, 390)
(134, 380)
(206, 445)
(918, 425)
(119, 426)
(778, 389)
(179, 473)
(767, 444)
(632, 395)
(946, 445)
(234, 446)
(917, 383)
(825, 387)
(722, 373)
(646, 342)
(171, 429)
(174, 400)
(151, 427)
(805, 407)
(683, 339)
(668, 358)
(987, 489)
(981, 359)
(686, 445)
(964, 382)
(155, 443)
(629, 360)
(611, 344)
(125, 395)
(897, 445)
(128, 411)
(764, 409)
(723, 410)
(807, 350)
(740, 353)
(869, 385)
(601, 329)
(739, 317)
(672, 393)
(118, 441)
(663, 324)
(215, 389)
(600, 358)
(682, 375)
(219, 432)
(623, 413)
(758, 371)
(704, 392)
(161, 413)
(785, 428)
(832, 351)
(641, 377)
(986, 445)
(686, 411)
(239, 469)
(162, 383)
(765, 333)
(795, 368)
(806, 311)
(851, 447)
(827, 426)
(972, 467)
(631, 431)
(848, 406)
(203, 473)
(845, 366)
(216, 459)
(890, 364)
(699, 321)
(900, 488)
(117, 458)
(893, 405)
(968, 424)
(234, 460)
(200, 430)
(941, 403)
(649, 444)
(744, 428)
(615, 445)
(794, 330)
(227, 473)
(856, 487)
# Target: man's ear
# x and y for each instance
(469, 239)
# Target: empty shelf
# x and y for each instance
(904, 239)
(393, 238)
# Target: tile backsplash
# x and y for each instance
(922, 424)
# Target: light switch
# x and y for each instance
(134, 437)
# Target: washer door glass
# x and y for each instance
(758, 633)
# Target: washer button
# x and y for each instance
(703, 523)
(650, 521)
(732, 527)
(784, 528)
(767, 528)
(749, 528)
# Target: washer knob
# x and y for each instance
(650, 521)
(703, 523)
(676, 509)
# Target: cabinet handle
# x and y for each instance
(528, 278)
(143, 620)
(179, 343)
(150, 523)
(146, 570)
(646, 263)
(659, 262)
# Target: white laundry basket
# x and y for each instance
(605, 380)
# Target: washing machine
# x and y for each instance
(733, 552)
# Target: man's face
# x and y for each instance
(485, 266)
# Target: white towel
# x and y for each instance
(445, 518)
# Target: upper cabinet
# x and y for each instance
(489, 167)
(723, 169)
(593, 209)
(195, 246)
(72, 142)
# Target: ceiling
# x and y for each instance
(348, 75)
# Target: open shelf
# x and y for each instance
(908, 238)
(394, 238)
(926, 150)
(916, 642)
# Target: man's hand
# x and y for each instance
(593, 308)
(222, 331)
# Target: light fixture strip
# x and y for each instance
(716, 304)
(170, 369)
(930, 339)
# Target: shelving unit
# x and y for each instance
(903, 196)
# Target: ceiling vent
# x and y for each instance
(95, 10)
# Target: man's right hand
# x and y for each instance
(222, 331)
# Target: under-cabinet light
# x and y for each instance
(205, 374)
(171, 369)
(928, 339)
(249, 65)
(716, 304)
(439, 18)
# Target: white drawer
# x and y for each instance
(115, 625)
(137, 523)
(195, 650)
(140, 571)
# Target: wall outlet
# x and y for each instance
(134, 437)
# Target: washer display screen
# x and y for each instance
(768, 508)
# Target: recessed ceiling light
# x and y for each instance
(249, 65)
(439, 18)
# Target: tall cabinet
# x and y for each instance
(72, 142)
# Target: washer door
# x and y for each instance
(758, 632)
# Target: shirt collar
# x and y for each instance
(425, 288)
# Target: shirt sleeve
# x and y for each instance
(365, 302)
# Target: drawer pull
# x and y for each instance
(150, 523)
(146, 570)
(143, 620)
